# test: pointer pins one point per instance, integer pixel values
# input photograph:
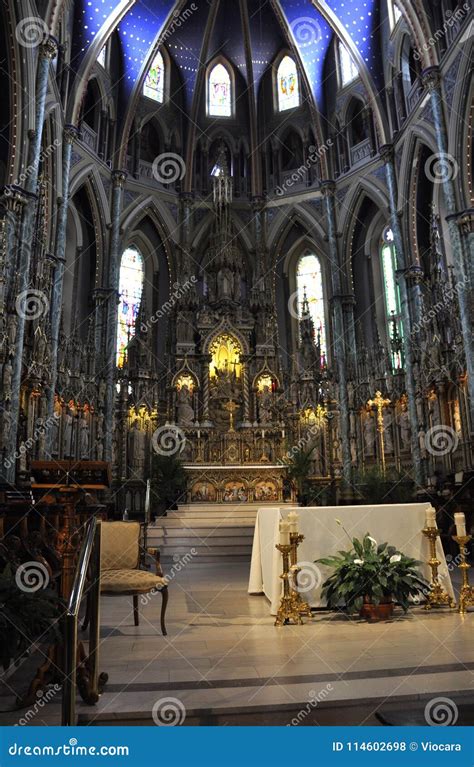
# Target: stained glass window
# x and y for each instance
(220, 92)
(130, 289)
(155, 79)
(287, 83)
(309, 282)
(392, 296)
(348, 69)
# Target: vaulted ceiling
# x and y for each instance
(194, 32)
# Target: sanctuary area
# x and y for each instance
(236, 362)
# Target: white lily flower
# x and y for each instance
(395, 558)
(358, 561)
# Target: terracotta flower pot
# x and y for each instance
(375, 613)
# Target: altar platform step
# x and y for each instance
(214, 533)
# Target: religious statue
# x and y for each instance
(387, 433)
(185, 407)
(99, 449)
(68, 435)
(266, 405)
(185, 327)
(83, 437)
(369, 434)
(136, 446)
(225, 283)
(405, 428)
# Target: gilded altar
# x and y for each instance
(238, 484)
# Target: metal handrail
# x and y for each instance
(89, 555)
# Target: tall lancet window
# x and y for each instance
(154, 85)
(219, 92)
(130, 290)
(392, 297)
(347, 66)
(287, 84)
(309, 282)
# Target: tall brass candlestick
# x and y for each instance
(437, 597)
(466, 595)
(299, 603)
(287, 610)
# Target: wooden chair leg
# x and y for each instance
(136, 618)
(164, 597)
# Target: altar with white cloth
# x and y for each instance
(399, 525)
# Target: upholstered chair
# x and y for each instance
(121, 562)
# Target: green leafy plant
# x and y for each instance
(299, 464)
(371, 571)
(25, 617)
(169, 480)
(373, 486)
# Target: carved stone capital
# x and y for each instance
(119, 177)
(13, 197)
(431, 77)
(49, 49)
(328, 188)
(386, 153)
(70, 133)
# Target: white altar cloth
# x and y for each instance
(399, 525)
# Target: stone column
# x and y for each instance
(118, 177)
(69, 135)
(387, 155)
(431, 79)
(46, 53)
(328, 188)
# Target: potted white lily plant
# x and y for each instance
(370, 578)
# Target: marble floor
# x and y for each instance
(224, 659)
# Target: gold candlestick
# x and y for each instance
(466, 595)
(437, 597)
(287, 610)
(298, 602)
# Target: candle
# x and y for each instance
(293, 521)
(284, 533)
(430, 517)
(460, 522)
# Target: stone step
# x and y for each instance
(220, 550)
(208, 534)
(212, 524)
(207, 515)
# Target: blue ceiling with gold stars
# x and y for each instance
(271, 25)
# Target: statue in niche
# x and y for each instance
(422, 441)
(83, 437)
(266, 405)
(40, 345)
(225, 283)
(99, 449)
(185, 327)
(185, 407)
(136, 446)
(353, 449)
(40, 430)
(369, 434)
(387, 432)
(405, 427)
(102, 392)
(68, 434)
